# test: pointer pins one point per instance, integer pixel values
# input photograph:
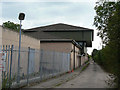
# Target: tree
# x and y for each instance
(11, 25)
(94, 52)
(104, 11)
(107, 21)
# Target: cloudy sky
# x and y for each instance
(46, 12)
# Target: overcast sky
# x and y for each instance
(46, 12)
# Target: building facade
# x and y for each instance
(64, 38)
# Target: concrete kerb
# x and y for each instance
(35, 80)
(38, 80)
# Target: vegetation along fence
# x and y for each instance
(34, 65)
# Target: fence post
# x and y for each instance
(68, 61)
(59, 63)
(53, 63)
(6, 48)
(0, 68)
(3, 72)
(8, 60)
(63, 63)
(11, 66)
(28, 66)
(41, 63)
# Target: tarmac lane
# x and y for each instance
(92, 77)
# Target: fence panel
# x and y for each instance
(34, 63)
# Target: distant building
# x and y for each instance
(64, 38)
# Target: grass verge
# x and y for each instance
(85, 67)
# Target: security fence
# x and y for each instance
(33, 64)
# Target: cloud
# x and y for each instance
(49, 0)
(50, 12)
(46, 13)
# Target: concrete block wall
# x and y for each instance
(10, 37)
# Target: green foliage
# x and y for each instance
(107, 21)
(85, 67)
(11, 25)
(105, 11)
(89, 56)
(6, 83)
(95, 51)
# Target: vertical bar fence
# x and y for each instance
(34, 65)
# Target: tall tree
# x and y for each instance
(107, 21)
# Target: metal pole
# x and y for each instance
(28, 66)
(8, 58)
(74, 57)
(18, 73)
(10, 82)
(53, 69)
(41, 64)
(2, 66)
(6, 61)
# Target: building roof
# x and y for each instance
(58, 27)
(62, 31)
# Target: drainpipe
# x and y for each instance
(74, 57)
(80, 58)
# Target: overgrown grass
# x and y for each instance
(6, 83)
(85, 67)
(108, 59)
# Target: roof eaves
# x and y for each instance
(64, 30)
(55, 40)
(49, 29)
